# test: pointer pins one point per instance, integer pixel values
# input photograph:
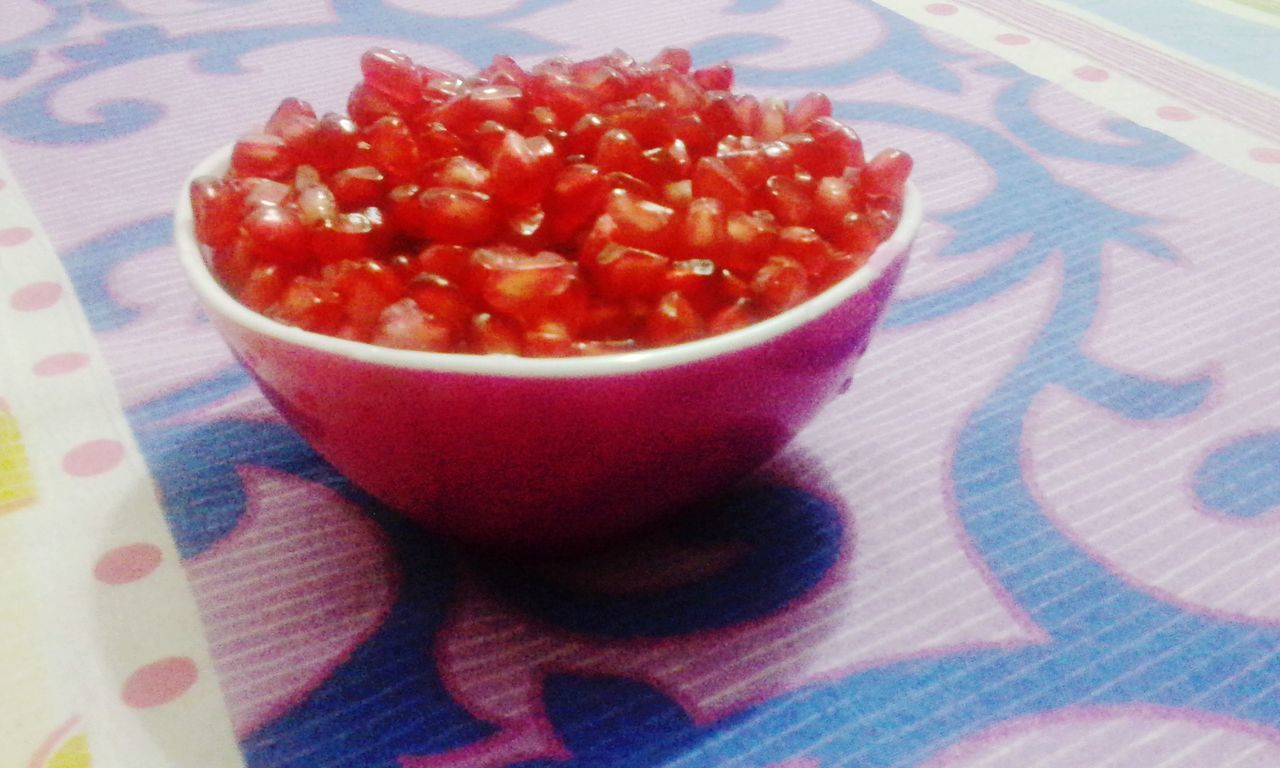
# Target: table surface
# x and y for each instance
(1042, 529)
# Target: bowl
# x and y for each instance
(521, 453)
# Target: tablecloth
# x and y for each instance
(1041, 529)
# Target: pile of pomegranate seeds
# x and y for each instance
(576, 208)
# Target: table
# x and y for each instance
(1042, 529)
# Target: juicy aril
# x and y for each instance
(575, 208)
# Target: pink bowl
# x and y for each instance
(528, 452)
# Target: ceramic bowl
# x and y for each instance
(536, 452)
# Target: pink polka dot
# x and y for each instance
(128, 563)
(3, 183)
(61, 363)
(1177, 114)
(159, 682)
(1010, 38)
(14, 236)
(941, 9)
(35, 296)
(1091, 73)
(4, 405)
(93, 458)
(1269, 155)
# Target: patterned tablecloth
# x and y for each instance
(1042, 529)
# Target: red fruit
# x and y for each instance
(403, 325)
(640, 222)
(393, 74)
(441, 299)
(712, 178)
(276, 235)
(334, 142)
(357, 187)
(807, 247)
(622, 271)
(310, 304)
(446, 215)
(836, 147)
(355, 235)
(366, 288)
(809, 108)
(576, 197)
(264, 155)
(739, 314)
(587, 207)
(493, 335)
(448, 261)
(367, 104)
(673, 320)
(294, 121)
(461, 172)
(886, 174)
(264, 286)
(618, 150)
(393, 149)
(675, 58)
(718, 77)
(522, 169)
(751, 236)
(788, 199)
(217, 207)
(780, 284)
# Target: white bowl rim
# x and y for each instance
(216, 298)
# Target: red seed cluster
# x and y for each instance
(575, 208)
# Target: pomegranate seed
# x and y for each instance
(276, 235)
(392, 73)
(675, 58)
(365, 288)
(264, 286)
(575, 208)
(781, 283)
(641, 223)
(357, 187)
(751, 237)
(393, 149)
(773, 119)
(788, 199)
(810, 107)
(523, 169)
(704, 226)
(673, 320)
(294, 121)
(807, 247)
(739, 314)
(333, 144)
(623, 271)
(832, 199)
(886, 174)
(441, 299)
(461, 172)
(446, 215)
(576, 196)
(618, 150)
(491, 335)
(712, 178)
(403, 325)
(217, 207)
(448, 261)
(718, 77)
(263, 155)
(309, 304)
(836, 147)
(367, 104)
(355, 235)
